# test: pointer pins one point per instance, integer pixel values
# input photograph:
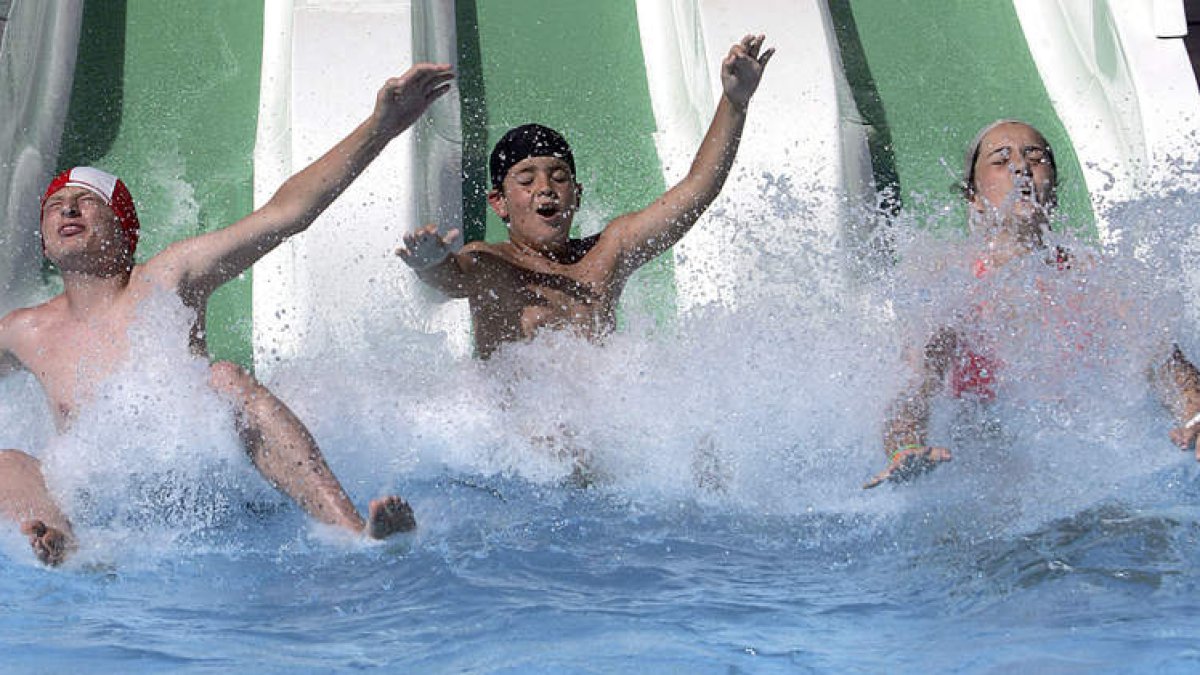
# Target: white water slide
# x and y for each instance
(322, 57)
(37, 66)
(1116, 72)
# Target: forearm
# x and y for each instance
(714, 159)
(908, 421)
(307, 194)
(211, 259)
(660, 226)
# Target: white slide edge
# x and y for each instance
(803, 131)
(339, 284)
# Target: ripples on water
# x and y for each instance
(726, 529)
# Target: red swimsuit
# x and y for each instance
(974, 371)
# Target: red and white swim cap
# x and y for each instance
(110, 188)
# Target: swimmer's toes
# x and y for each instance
(389, 515)
(48, 544)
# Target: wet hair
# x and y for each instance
(523, 142)
(967, 186)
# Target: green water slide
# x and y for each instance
(932, 79)
(173, 95)
(165, 95)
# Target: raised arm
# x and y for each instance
(1179, 382)
(644, 234)
(207, 261)
(908, 417)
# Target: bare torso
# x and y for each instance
(515, 293)
(71, 349)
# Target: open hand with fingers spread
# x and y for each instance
(404, 99)
(908, 463)
(742, 69)
(426, 247)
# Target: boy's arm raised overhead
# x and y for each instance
(644, 234)
(204, 263)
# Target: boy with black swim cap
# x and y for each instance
(541, 278)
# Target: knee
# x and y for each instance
(248, 394)
(227, 377)
(15, 461)
(235, 382)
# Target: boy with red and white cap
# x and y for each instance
(89, 230)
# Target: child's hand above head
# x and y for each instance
(742, 69)
(403, 99)
(426, 247)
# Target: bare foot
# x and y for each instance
(387, 516)
(49, 545)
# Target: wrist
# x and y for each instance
(899, 450)
(737, 106)
(425, 264)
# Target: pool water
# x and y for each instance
(725, 528)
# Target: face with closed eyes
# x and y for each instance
(81, 232)
(1014, 177)
(538, 200)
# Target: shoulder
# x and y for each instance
(476, 247)
(472, 253)
(28, 320)
(166, 269)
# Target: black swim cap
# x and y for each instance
(527, 140)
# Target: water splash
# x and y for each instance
(774, 407)
(153, 456)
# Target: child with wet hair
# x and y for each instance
(1010, 184)
(541, 278)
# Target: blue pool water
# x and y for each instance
(726, 530)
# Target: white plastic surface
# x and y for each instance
(803, 132)
(339, 284)
(1126, 96)
(37, 68)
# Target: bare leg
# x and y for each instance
(287, 455)
(25, 499)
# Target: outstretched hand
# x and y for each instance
(425, 247)
(909, 463)
(742, 69)
(402, 100)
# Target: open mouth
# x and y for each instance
(547, 210)
(69, 230)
